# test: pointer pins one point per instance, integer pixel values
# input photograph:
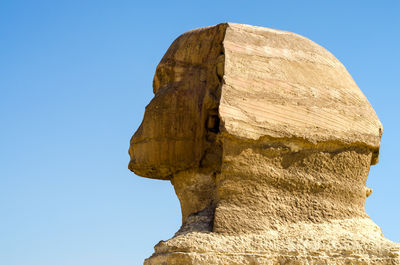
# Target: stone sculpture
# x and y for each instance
(267, 141)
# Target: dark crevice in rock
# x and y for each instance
(201, 221)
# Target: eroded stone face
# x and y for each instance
(181, 123)
(268, 142)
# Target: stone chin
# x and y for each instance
(268, 142)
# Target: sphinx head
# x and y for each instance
(243, 118)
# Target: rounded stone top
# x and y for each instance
(281, 84)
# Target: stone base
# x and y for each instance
(253, 259)
(353, 241)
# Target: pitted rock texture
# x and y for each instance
(268, 142)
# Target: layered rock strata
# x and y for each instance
(267, 141)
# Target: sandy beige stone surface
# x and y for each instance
(268, 142)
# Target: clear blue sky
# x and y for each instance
(75, 77)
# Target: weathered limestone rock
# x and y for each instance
(267, 141)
